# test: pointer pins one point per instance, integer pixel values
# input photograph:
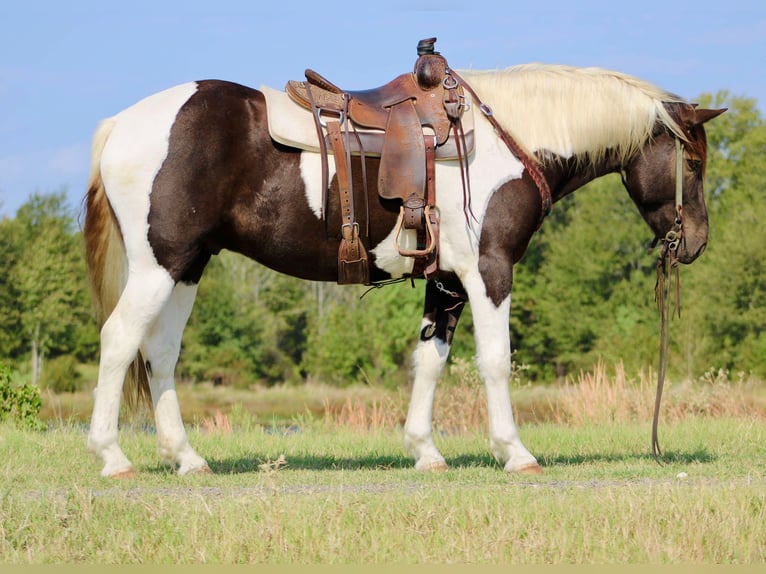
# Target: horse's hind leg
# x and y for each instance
(440, 317)
(161, 348)
(144, 296)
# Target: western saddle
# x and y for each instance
(416, 112)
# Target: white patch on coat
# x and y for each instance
(132, 157)
(311, 172)
(491, 166)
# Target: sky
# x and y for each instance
(66, 65)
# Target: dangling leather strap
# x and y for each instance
(353, 265)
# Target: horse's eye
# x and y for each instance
(694, 165)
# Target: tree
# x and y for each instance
(10, 314)
(591, 290)
(50, 278)
(729, 282)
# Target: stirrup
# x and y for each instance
(430, 241)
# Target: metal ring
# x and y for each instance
(447, 85)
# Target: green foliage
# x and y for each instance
(45, 308)
(591, 294)
(51, 280)
(368, 340)
(61, 375)
(10, 315)
(19, 403)
(587, 291)
(583, 292)
(730, 278)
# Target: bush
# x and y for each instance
(20, 403)
(60, 375)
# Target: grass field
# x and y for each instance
(334, 486)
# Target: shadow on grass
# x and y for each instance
(324, 462)
(308, 462)
(327, 462)
(670, 457)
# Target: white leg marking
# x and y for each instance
(493, 346)
(132, 156)
(161, 348)
(144, 296)
(429, 359)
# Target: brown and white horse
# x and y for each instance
(192, 170)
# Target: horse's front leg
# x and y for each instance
(493, 358)
(442, 311)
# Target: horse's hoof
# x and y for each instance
(531, 468)
(123, 474)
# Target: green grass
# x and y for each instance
(351, 496)
(313, 474)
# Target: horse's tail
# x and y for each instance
(106, 259)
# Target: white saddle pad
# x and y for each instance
(293, 125)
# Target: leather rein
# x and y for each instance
(667, 262)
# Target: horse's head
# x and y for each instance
(650, 178)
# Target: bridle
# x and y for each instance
(668, 260)
(674, 236)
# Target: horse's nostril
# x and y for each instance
(689, 256)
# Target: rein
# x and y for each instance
(667, 263)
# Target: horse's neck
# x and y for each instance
(567, 175)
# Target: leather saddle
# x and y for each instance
(416, 112)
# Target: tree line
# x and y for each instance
(583, 292)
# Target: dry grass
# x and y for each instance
(365, 415)
(599, 396)
(219, 423)
(592, 397)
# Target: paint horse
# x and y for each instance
(192, 170)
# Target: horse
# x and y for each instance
(193, 169)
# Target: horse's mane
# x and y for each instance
(574, 112)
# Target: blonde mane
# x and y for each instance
(574, 112)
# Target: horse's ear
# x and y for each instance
(702, 115)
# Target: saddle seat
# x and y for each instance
(371, 108)
(415, 112)
(406, 109)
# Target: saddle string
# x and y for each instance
(462, 159)
(455, 105)
(530, 164)
(363, 160)
(667, 273)
(316, 112)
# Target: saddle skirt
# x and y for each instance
(293, 125)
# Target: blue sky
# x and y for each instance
(66, 65)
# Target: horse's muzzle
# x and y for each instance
(688, 253)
